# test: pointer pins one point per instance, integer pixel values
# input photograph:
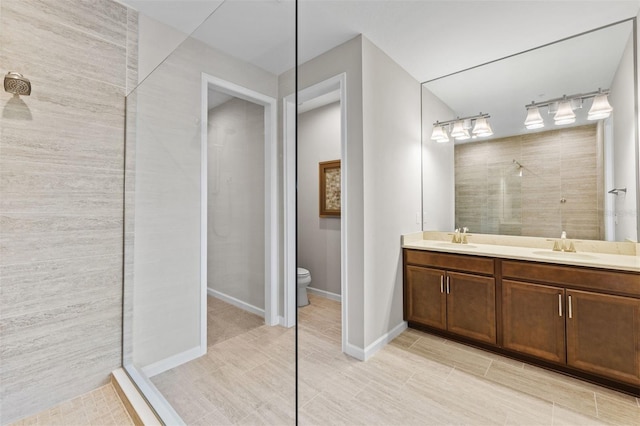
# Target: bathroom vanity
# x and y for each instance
(578, 313)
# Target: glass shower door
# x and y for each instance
(203, 298)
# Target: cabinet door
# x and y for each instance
(471, 306)
(603, 335)
(426, 298)
(533, 318)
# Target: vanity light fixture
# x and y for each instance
(482, 128)
(461, 128)
(564, 109)
(565, 114)
(459, 132)
(439, 134)
(600, 108)
(534, 119)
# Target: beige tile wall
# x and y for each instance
(61, 198)
(492, 198)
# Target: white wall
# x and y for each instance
(382, 173)
(156, 40)
(318, 237)
(438, 168)
(235, 263)
(167, 291)
(624, 149)
(391, 154)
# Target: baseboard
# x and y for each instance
(382, 341)
(325, 294)
(235, 302)
(372, 349)
(173, 361)
(133, 401)
(354, 351)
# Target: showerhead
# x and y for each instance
(15, 83)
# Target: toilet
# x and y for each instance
(304, 279)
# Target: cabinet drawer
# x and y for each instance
(621, 283)
(475, 264)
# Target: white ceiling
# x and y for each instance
(427, 38)
(503, 88)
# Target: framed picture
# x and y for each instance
(330, 188)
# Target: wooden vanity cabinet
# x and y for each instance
(425, 299)
(471, 306)
(533, 320)
(579, 320)
(457, 301)
(603, 335)
(592, 331)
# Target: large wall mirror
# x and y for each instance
(578, 175)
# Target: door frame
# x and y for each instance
(271, 252)
(338, 82)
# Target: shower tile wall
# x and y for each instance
(492, 198)
(61, 198)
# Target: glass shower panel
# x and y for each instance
(203, 210)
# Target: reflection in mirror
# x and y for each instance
(550, 175)
(203, 298)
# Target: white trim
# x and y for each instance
(354, 351)
(173, 361)
(326, 294)
(154, 397)
(135, 399)
(373, 348)
(236, 302)
(272, 260)
(344, 229)
(204, 157)
(290, 200)
(338, 82)
(384, 339)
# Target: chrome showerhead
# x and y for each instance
(15, 83)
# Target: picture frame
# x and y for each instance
(330, 197)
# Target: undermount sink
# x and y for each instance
(564, 254)
(454, 245)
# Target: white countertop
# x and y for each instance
(622, 262)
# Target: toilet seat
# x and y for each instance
(303, 272)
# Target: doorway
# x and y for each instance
(333, 87)
(235, 209)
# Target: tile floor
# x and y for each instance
(423, 379)
(247, 378)
(99, 407)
